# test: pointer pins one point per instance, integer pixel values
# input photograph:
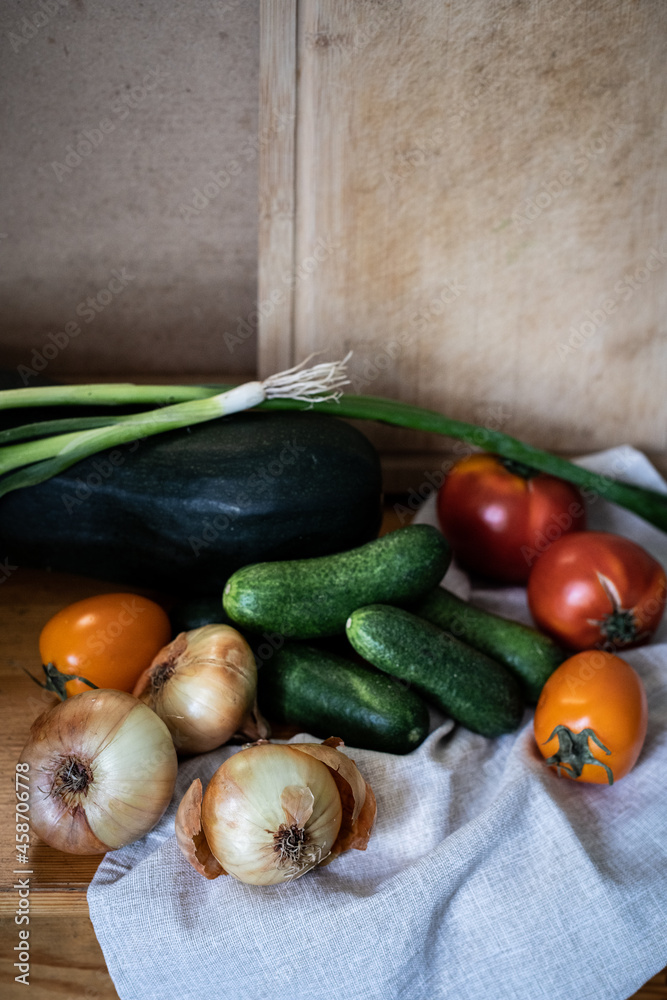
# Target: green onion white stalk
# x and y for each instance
(318, 387)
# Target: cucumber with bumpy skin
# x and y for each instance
(324, 693)
(531, 656)
(308, 598)
(468, 685)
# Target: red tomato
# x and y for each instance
(597, 589)
(109, 640)
(590, 720)
(499, 516)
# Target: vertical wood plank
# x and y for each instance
(480, 195)
(277, 128)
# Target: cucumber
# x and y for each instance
(531, 656)
(328, 695)
(307, 598)
(468, 685)
(180, 512)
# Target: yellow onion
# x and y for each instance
(204, 686)
(272, 812)
(102, 769)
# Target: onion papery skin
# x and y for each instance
(126, 752)
(204, 687)
(243, 813)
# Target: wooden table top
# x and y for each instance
(65, 956)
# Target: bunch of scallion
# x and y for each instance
(34, 452)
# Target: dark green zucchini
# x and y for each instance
(196, 612)
(182, 511)
(327, 695)
(468, 685)
(530, 655)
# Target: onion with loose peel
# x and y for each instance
(204, 686)
(102, 769)
(273, 811)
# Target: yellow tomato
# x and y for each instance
(109, 639)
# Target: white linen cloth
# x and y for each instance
(486, 876)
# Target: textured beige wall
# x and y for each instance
(114, 115)
(479, 212)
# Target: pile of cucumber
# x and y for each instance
(420, 645)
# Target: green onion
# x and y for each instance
(42, 428)
(111, 394)
(47, 456)
(44, 458)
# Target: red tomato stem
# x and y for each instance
(519, 468)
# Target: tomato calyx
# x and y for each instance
(56, 680)
(518, 468)
(620, 627)
(573, 752)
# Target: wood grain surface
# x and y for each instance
(277, 120)
(479, 211)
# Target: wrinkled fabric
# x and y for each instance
(485, 876)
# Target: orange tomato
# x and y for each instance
(109, 639)
(590, 720)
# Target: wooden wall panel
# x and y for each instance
(479, 211)
(277, 122)
(166, 195)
